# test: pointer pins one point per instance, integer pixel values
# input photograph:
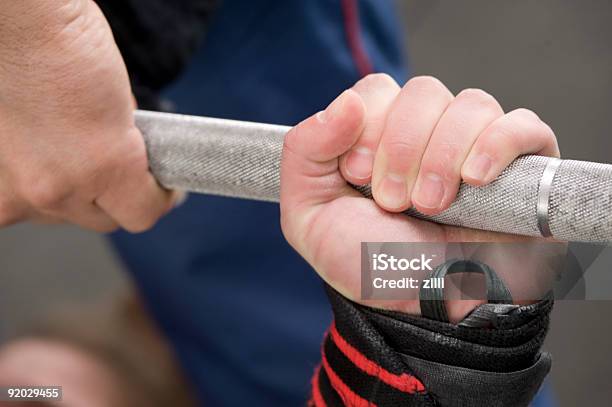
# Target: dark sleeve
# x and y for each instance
(156, 39)
(374, 357)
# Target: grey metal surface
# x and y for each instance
(242, 159)
(214, 156)
(581, 201)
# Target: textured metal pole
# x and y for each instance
(570, 200)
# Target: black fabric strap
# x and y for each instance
(449, 365)
(512, 345)
(432, 299)
(353, 326)
(458, 387)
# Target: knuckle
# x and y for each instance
(478, 97)
(445, 172)
(549, 135)
(528, 121)
(426, 83)
(525, 114)
(530, 131)
(401, 150)
(503, 134)
(45, 192)
(142, 224)
(445, 154)
(375, 80)
(448, 170)
(518, 132)
(518, 122)
(473, 93)
(290, 140)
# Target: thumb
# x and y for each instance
(309, 169)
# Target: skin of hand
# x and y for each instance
(69, 148)
(414, 144)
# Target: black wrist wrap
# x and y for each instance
(380, 358)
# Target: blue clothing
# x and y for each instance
(243, 311)
(545, 397)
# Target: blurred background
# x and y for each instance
(551, 56)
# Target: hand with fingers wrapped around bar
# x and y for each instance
(70, 149)
(415, 144)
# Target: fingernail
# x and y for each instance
(430, 191)
(334, 109)
(393, 191)
(478, 167)
(359, 163)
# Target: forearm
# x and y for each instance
(393, 359)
